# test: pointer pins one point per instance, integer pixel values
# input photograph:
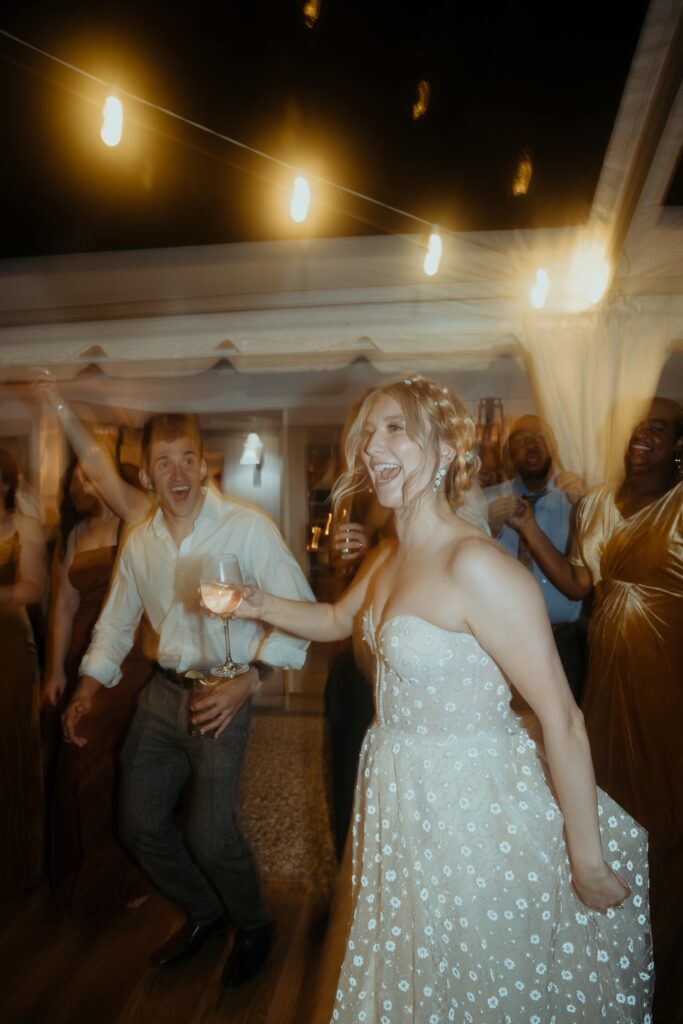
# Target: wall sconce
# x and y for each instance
(252, 452)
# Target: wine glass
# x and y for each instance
(220, 584)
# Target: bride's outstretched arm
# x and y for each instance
(312, 621)
(507, 615)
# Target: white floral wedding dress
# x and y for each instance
(462, 905)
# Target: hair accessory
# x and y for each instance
(440, 474)
(444, 390)
(407, 381)
(470, 456)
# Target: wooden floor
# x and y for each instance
(58, 971)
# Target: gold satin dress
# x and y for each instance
(633, 701)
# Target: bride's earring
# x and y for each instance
(440, 474)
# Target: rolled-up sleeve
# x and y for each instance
(114, 632)
(275, 570)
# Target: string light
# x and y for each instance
(433, 254)
(424, 91)
(301, 199)
(311, 13)
(211, 131)
(589, 273)
(539, 292)
(112, 121)
(523, 174)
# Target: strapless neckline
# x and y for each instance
(369, 617)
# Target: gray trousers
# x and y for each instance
(209, 869)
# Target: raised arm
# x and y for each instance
(65, 601)
(313, 621)
(29, 585)
(129, 503)
(505, 604)
(574, 581)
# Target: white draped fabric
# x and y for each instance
(593, 374)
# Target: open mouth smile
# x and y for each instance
(385, 471)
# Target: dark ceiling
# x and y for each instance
(508, 78)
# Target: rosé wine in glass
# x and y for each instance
(220, 584)
(220, 598)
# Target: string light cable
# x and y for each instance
(220, 135)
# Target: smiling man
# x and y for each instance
(553, 496)
(212, 874)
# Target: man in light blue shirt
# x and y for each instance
(529, 453)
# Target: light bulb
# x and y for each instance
(433, 254)
(301, 200)
(590, 272)
(112, 121)
(311, 13)
(539, 292)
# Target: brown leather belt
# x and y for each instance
(185, 680)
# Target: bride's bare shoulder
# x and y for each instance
(475, 553)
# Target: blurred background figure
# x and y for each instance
(530, 459)
(91, 872)
(22, 582)
(628, 551)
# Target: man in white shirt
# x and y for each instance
(157, 574)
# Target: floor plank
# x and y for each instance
(96, 972)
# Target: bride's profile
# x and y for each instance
(490, 880)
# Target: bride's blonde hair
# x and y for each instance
(434, 415)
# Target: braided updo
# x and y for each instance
(433, 414)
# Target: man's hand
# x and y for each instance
(351, 540)
(573, 485)
(214, 712)
(522, 517)
(78, 707)
(500, 511)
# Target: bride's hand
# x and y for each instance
(252, 604)
(600, 889)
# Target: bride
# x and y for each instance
(491, 881)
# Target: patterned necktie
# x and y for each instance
(523, 552)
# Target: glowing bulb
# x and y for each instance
(112, 121)
(599, 281)
(301, 200)
(590, 272)
(433, 254)
(311, 13)
(539, 292)
(420, 105)
(523, 174)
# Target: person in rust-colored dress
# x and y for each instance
(22, 580)
(91, 872)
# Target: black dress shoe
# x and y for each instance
(248, 955)
(185, 942)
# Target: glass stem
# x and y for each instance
(228, 655)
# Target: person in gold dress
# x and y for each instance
(628, 549)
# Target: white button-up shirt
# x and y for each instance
(155, 576)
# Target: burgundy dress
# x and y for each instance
(21, 785)
(91, 872)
